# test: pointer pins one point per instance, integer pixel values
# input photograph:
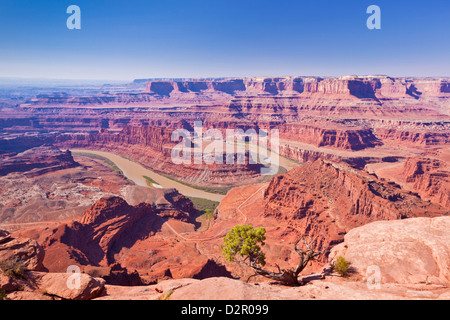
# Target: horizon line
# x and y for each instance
(7, 78)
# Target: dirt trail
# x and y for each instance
(223, 232)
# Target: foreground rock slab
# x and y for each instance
(27, 251)
(55, 284)
(410, 251)
(226, 289)
(413, 256)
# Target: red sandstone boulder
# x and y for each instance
(7, 283)
(4, 236)
(410, 251)
(55, 284)
(28, 253)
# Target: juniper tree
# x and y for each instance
(243, 243)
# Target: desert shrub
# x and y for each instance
(13, 268)
(243, 244)
(341, 266)
(3, 295)
(166, 296)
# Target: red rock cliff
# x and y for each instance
(430, 178)
(328, 199)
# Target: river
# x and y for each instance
(136, 172)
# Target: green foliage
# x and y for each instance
(13, 268)
(151, 182)
(216, 190)
(245, 241)
(209, 214)
(341, 266)
(3, 295)
(205, 210)
(165, 296)
(204, 205)
(98, 157)
(127, 158)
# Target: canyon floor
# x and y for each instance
(87, 179)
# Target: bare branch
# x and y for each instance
(279, 270)
(307, 252)
(253, 275)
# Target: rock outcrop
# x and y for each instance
(20, 251)
(37, 161)
(34, 285)
(430, 178)
(411, 254)
(417, 137)
(225, 289)
(21, 276)
(411, 251)
(56, 196)
(322, 135)
(103, 229)
(114, 275)
(338, 193)
(324, 200)
(327, 200)
(113, 238)
(55, 285)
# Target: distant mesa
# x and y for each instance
(37, 161)
(363, 87)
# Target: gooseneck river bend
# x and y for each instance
(136, 172)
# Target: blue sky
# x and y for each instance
(124, 40)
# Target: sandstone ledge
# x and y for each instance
(413, 256)
(334, 288)
(410, 251)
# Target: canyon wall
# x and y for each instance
(114, 234)
(37, 161)
(326, 199)
(368, 87)
(327, 136)
(350, 114)
(414, 136)
(430, 178)
(152, 147)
